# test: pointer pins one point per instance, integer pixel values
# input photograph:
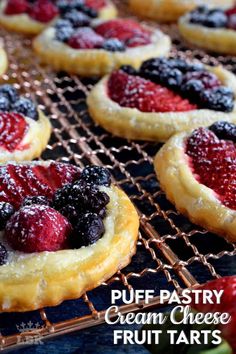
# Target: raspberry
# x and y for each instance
(26, 107)
(96, 175)
(127, 31)
(136, 92)
(224, 130)
(85, 38)
(43, 11)
(37, 228)
(88, 230)
(6, 211)
(12, 130)
(15, 7)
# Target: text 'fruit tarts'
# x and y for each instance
(171, 10)
(85, 47)
(212, 29)
(32, 16)
(197, 171)
(164, 97)
(63, 231)
(24, 129)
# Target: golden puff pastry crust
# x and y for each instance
(3, 60)
(36, 139)
(24, 24)
(171, 10)
(131, 123)
(193, 199)
(48, 278)
(220, 40)
(89, 62)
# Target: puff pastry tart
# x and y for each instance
(171, 10)
(63, 231)
(99, 48)
(198, 173)
(164, 97)
(214, 30)
(31, 17)
(24, 129)
(3, 59)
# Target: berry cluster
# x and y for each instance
(214, 18)
(10, 101)
(83, 7)
(190, 81)
(114, 35)
(39, 10)
(72, 218)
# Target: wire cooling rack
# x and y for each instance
(172, 253)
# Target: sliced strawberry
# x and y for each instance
(136, 92)
(43, 11)
(213, 162)
(37, 228)
(128, 31)
(15, 7)
(85, 38)
(20, 181)
(227, 304)
(13, 129)
(95, 4)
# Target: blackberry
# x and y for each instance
(128, 69)
(63, 6)
(41, 199)
(159, 70)
(215, 18)
(89, 11)
(10, 92)
(224, 130)
(60, 198)
(217, 99)
(6, 211)
(208, 79)
(71, 213)
(4, 104)
(26, 107)
(114, 45)
(62, 23)
(88, 230)
(77, 18)
(3, 255)
(63, 34)
(192, 89)
(96, 175)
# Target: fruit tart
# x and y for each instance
(212, 29)
(24, 129)
(171, 10)
(32, 16)
(98, 47)
(164, 97)
(63, 232)
(197, 171)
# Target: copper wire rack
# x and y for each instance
(172, 253)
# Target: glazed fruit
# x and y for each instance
(6, 211)
(88, 230)
(136, 92)
(96, 175)
(224, 130)
(212, 161)
(37, 228)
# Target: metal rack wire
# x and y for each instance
(171, 251)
